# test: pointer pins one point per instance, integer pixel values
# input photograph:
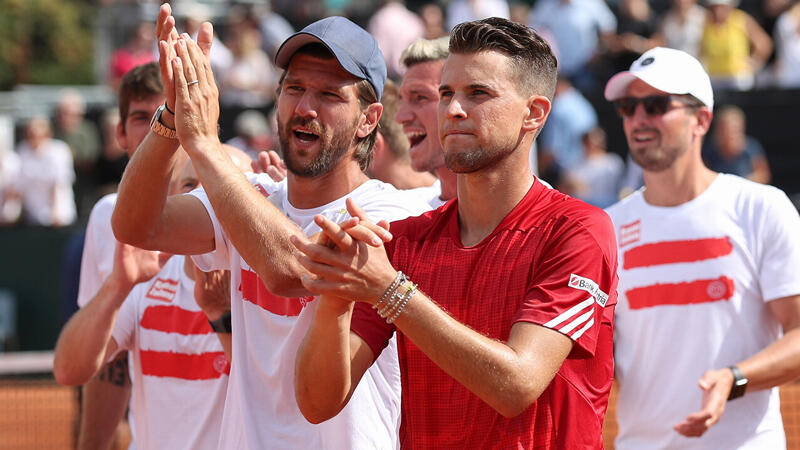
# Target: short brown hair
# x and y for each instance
(141, 82)
(532, 59)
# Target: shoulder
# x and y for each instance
(384, 201)
(102, 211)
(625, 206)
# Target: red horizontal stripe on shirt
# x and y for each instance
(203, 366)
(670, 252)
(173, 319)
(700, 291)
(254, 291)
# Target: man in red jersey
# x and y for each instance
(510, 345)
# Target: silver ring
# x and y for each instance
(192, 82)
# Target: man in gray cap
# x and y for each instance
(708, 318)
(327, 111)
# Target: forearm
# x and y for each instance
(775, 365)
(256, 228)
(323, 381)
(506, 379)
(143, 191)
(81, 347)
(103, 405)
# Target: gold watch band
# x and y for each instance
(159, 128)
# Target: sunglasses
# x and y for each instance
(654, 105)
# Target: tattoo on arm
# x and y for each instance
(116, 371)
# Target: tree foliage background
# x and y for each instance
(45, 42)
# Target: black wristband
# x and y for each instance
(739, 383)
(168, 110)
(223, 324)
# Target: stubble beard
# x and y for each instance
(657, 158)
(333, 147)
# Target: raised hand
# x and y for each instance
(271, 164)
(167, 36)
(197, 97)
(133, 265)
(716, 386)
(212, 291)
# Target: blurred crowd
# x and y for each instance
(62, 164)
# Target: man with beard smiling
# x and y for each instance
(708, 276)
(419, 101)
(328, 112)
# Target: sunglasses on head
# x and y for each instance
(654, 105)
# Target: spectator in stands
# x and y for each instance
(433, 20)
(251, 79)
(734, 47)
(46, 176)
(395, 28)
(596, 179)
(682, 26)
(113, 157)
(274, 28)
(787, 47)
(732, 151)
(189, 16)
(637, 28)
(10, 206)
(390, 161)
(253, 133)
(139, 49)
(581, 29)
(459, 11)
(83, 139)
(560, 143)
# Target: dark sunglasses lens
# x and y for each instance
(656, 105)
(626, 106)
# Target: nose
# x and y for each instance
(306, 106)
(639, 114)
(404, 113)
(453, 109)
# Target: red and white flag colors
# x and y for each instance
(687, 292)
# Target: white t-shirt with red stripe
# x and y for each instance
(179, 368)
(261, 410)
(695, 281)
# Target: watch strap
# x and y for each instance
(159, 128)
(223, 324)
(739, 383)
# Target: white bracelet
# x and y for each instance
(403, 304)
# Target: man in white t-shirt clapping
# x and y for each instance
(328, 110)
(708, 319)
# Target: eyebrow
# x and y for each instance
(473, 86)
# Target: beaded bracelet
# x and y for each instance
(397, 295)
(402, 305)
(399, 279)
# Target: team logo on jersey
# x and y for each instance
(221, 364)
(163, 289)
(263, 191)
(585, 284)
(630, 233)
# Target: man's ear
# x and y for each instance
(122, 138)
(369, 120)
(704, 118)
(538, 108)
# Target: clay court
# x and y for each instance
(38, 413)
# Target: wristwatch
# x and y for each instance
(223, 324)
(739, 383)
(159, 128)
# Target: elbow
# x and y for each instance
(127, 231)
(316, 414)
(69, 376)
(516, 401)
